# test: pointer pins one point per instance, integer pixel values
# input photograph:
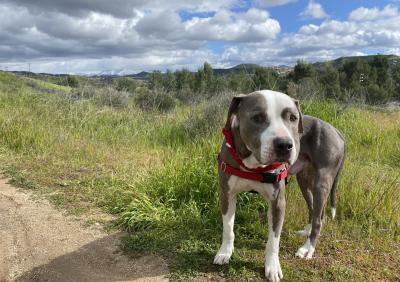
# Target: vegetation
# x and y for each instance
(356, 80)
(156, 171)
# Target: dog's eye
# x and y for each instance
(258, 118)
(292, 117)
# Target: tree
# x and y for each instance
(377, 95)
(205, 79)
(303, 70)
(330, 81)
(265, 78)
(396, 81)
(381, 64)
(356, 71)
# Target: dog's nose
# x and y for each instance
(283, 145)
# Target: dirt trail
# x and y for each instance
(39, 243)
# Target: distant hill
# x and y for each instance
(140, 75)
(249, 69)
(337, 63)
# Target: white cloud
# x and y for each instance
(314, 10)
(270, 3)
(370, 14)
(119, 8)
(254, 25)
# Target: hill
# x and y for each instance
(337, 63)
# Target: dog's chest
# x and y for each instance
(237, 185)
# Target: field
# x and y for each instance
(156, 172)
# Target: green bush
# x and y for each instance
(377, 95)
(154, 100)
(72, 81)
(126, 84)
(209, 117)
(105, 96)
(109, 96)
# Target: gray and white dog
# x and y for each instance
(268, 127)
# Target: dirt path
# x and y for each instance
(39, 243)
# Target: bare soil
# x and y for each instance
(41, 243)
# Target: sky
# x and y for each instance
(90, 36)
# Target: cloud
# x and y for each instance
(328, 40)
(271, 3)
(117, 8)
(314, 10)
(370, 14)
(253, 25)
(89, 36)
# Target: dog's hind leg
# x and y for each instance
(228, 219)
(305, 180)
(322, 185)
(334, 188)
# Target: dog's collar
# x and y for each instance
(262, 174)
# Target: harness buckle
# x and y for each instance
(268, 177)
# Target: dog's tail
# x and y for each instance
(335, 184)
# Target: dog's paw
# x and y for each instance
(224, 253)
(273, 271)
(222, 258)
(306, 251)
(305, 232)
(333, 213)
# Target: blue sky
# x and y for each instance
(85, 36)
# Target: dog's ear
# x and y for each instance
(296, 102)
(233, 108)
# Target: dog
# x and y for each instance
(267, 137)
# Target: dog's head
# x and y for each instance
(267, 124)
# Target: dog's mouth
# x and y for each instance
(274, 159)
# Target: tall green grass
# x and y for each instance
(157, 172)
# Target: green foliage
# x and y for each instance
(125, 84)
(104, 96)
(208, 116)
(331, 83)
(155, 100)
(265, 78)
(381, 65)
(396, 81)
(72, 81)
(204, 79)
(303, 70)
(376, 94)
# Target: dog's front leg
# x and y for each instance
(228, 219)
(276, 214)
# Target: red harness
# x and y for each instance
(260, 174)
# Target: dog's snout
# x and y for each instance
(283, 145)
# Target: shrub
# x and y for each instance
(186, 95)
(125, 84)
(306, 89)
(105, 96)
(72, 81)
(209, 117)
(154, 100)
(109, 96)
(377, 95)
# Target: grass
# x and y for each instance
(157, 174)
